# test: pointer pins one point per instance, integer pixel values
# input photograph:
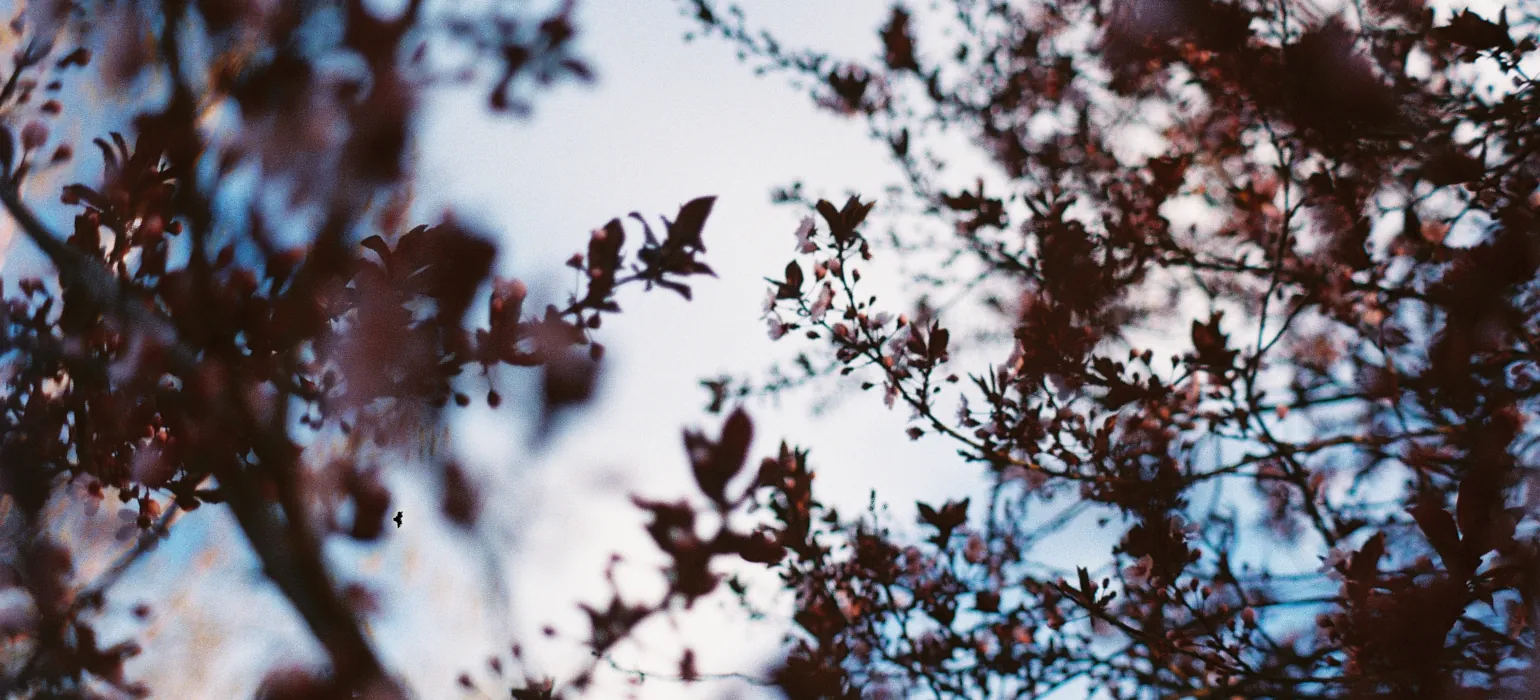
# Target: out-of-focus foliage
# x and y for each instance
(189, 352)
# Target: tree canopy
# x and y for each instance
(1238, 279)
(1250, 284)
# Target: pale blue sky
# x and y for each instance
(667, 122)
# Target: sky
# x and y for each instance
(669, 121)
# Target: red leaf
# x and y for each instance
(377, 244)
(1438, 526)
(461, 504)
(1473, 31)
(792, 287)
(830, 215)
(759, 548)
(1451, 166)
(1480, 496)
(715, 464)
(687, 670)
(951, 516)
(939, 338)
(1364, 570)
(1211, 345)
(898, 43)
(736, 435)
(685, 230)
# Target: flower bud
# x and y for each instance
(34, 134)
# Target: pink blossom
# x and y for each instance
(150, 466)
(1013, 363)
(976, 550)
(34, 134)
(1334, 561)
(18, 613)
(805, 242)
(821, 304)
(1138, 573)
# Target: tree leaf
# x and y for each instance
(831, 216)
(1438, 526)
(1475, 507)
(716, 463)
(898, 43)
(951, 515)
(1363, 570)
(792, 287)
(685, 229)
(681, 288)
(1473, 31)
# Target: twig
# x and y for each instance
(115, 572)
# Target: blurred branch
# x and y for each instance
(295, 563)
(146, 542)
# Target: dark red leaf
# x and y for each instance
(1363, 570)
(1476, 509)
(685, 230)
(1438, 526)
(1469, 29)
(792, 287)
(716, 463)
(897, 42)
(951, 516)
(461, 504)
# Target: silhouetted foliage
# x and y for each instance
(1340, 203)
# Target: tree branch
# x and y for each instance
(294, 563)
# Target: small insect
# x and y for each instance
(398, 520)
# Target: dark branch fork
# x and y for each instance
(282, 538)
